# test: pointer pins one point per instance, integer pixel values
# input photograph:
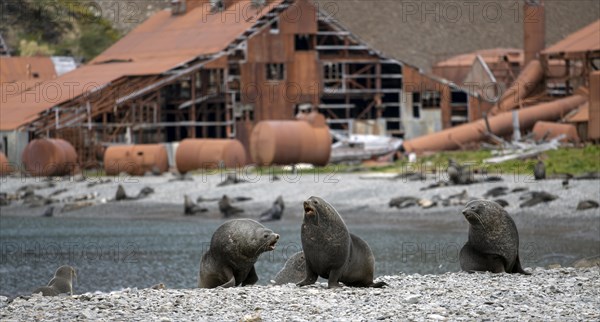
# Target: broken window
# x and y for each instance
(333, 71)
(304, 42)
(275, 26)
(431, 99)
(416, 106)
(275, 71)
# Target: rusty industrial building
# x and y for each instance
(195, 71)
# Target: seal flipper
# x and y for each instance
(311, 277)
(252, 278)
(517, 267)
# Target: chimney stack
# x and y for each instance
(534, 29)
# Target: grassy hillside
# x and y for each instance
(51, 27)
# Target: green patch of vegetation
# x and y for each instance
(51, 27)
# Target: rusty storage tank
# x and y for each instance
(550, 130)
(49, 157)
(136, 160)
(290, 142)
(5, 167)
(193, 154)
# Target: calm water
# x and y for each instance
(111, 254)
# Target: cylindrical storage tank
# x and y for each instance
(193, 154)
(136, 160)
(5, 167)
(551, 130)
(49, 157)
(289, 142)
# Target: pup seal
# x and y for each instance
(234, 248)
(493, 243)
(61, 283)
(293, 271)
(331, 251)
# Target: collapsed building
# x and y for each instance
(196, 71)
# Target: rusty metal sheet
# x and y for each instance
(583, 40)
(49, 157)
(550, 130)
(21, 107)
(196, 33)
(13, 69)
(136, 160)
(500, 125)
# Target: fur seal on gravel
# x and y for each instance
(275, 212)
(190, 208)
(293, 271)
(587, 204)
(493, 243)
(234, 248)
(61, 283)
(331, 251)
(227, 209)
(539, 170)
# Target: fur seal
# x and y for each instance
(61, 283)
(536, 197)
(539, 170)
(190, 208)
(587, 204)
(275, 212)
(331, 251)
(493, 243)
(403, 202)
(496, 192)
(227, 209)
(503, 203)
(293, 271)
(234, 248)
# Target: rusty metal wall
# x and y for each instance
(594, 119)
(553, 130)
(136, 160)
(526, 82)
(534, 29)
(500, 125)
(5, 167)
(193, 154)
(290, 142)
(49, 157)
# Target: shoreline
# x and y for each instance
(555, 294)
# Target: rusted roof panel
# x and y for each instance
(583, 40)
(489, 56)
(14, 69)
(21, 108)
(198, 32)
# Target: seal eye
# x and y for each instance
(315, 202)
(266, 236)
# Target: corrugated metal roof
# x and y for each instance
(14, 69)
(162, 42)
(583, 40)
(196, 33)
(488, 55)
(22, 108)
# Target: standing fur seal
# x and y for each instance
(493, 243)
(331, 251)
(234, 248)
(61, 283)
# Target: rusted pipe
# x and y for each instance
(551, 130)
(527, 81)
(136, 160)
(290, 142)
(49, 157)
(193, 154)
(501, 125)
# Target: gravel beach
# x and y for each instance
(563, 294)
(362, 199)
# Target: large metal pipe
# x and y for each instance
(49, 157)
(290, 142)
(193, 154)
(501, 125)
(550, 130)
(527, 81)
(534, 29)
(136, 160)
(5, 167)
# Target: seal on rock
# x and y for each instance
(331, 251)
(493, 243)
(234, 248)
(293, 271)
(62, 282)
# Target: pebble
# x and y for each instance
(451, 296)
